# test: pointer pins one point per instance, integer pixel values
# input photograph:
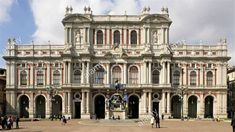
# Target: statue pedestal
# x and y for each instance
(117, 114)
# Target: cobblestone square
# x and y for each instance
(123, 126)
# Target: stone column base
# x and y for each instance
(85, 116)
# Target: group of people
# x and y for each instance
(155, 118)
(7, 122)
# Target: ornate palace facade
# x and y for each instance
(73, 79)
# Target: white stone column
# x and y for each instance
(70, 35)
(83, 73)
(150, 103)
(144, 96)
(64, 73)
(225, 104)
(150, 73)
(64, 103)
(13, 75)
(108, 74)
(168, 73)
(163, 35)
(69, 72)
(202, 104)
(125, 74)
(87, 73)
(163, 102)
(8, 73)
(48, 106)
(32, 106)
(88, 102)
(164, 73)
(69, 103)
(166, 35)
(83, 103)
(185, 105)
(145, 71)
(168, 103)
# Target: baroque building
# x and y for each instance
(75, 78)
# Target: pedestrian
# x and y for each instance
(157, 120)
(162, 116)
(17, 121)
(64, 121)
(152, 121)
(233, 123)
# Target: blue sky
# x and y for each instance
(194, 21)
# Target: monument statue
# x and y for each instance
(78, 37)
(155, 39)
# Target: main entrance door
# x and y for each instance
(133, 107)
(176, 107)
(40, 107)
(100, 107)
(24, 106)
(209, 107)
(77, 110)
(192, 107)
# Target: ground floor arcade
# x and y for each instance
(86, 103)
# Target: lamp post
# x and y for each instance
(51, 92)
(182, 91)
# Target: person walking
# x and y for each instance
(157, 120)
(17, 121)
(233, 123)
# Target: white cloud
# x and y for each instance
(193, 20)
(5, 6)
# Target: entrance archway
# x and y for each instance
(40, 107)
(192, 107)
(133, 107)
(209, 107)
(100, 107)
(57, 106)
(24, 106)
(176, 106)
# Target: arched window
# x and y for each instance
(116, 74)
(77, 76)
(193, 78)
(40, 78)
(133, 37)
(155, 77)
(99, 76)
(176, 78)
(56, 77)
(133, 75)
(116, 37)
(23, 78)
(209, 78)
(99, 37)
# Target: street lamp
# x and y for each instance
(182, 91)
(51, 92)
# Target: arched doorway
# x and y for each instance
(100, 107)
(176, 106)
(24, 106)
(209, 107)
(192, 107)
(133, 107)
(40, 107)
(57, 106)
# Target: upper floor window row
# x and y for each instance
(100, 37)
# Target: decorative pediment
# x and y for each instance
(156, 18)
(77, 18)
